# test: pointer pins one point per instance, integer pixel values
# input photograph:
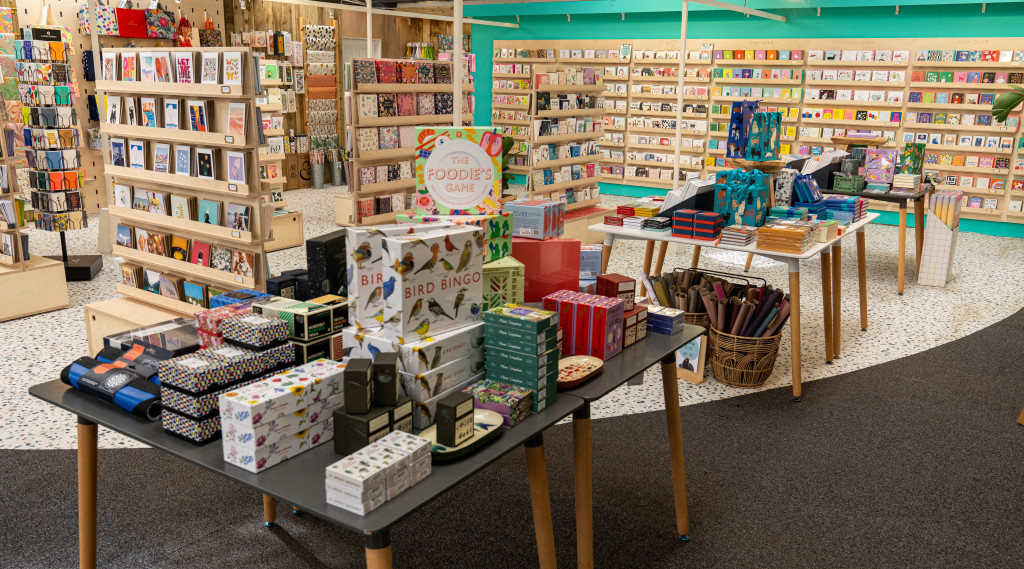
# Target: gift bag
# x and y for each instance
(160, 23)
(183, 36)
(84, 27)
(210, 37)
(131, 23)
(741, 197)
(739, 128)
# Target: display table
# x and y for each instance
(830, 296)
(918, 199)
(300, 481)
(633, 361)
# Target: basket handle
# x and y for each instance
(745, 278)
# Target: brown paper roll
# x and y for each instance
(745, 309)
(710, 306)
(723, 313)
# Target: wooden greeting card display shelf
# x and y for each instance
(230, 141)
(347, 207)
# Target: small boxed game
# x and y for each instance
(197, 372)
(537, 218)
(356, 485)
(590, 261)
(309, 351)
(306, 321)
(529, 378)
(497, 230)
(385, 379)
(545, 341)
(665, 320)
(423, 412)
(339, 309)
(511, 402)
(401, 415)
(455, 419)
(635, 327)
(394, 462)
(199, 431)
(353, 431)
(440, 349)
(421, 387)
(253, 331)
(519, 317)
(358, 388)
(597, 330)
(617, 286)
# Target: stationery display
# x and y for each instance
(940, 233)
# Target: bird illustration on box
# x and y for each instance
(374, 296)
(437, 310)
(424, 384)
(374, 350)
(395, 319)
(359, 336)
(474, 309)
(349, 274)
(379, 317)
(389, 288)
(416, 307)
(448, 245)
(479, 238)
(416, 241)
(448, 267)
(372, 231)
(421, 355)
(425, 411)
(424, 327)
(458, 300)
(437, 358)
(429, 265)
(405, 265)
(437, 385)
(467, 254)
(362, 254)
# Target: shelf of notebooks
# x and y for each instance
(510, 75)
(570, 112)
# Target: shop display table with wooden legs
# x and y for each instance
(831, 272)
(633, 361)
(918, 199)
(300, 481)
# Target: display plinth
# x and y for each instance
(79, 267)
(287, 227)
(121, 314)
(40, 287)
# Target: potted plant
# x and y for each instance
(1006, 103)
(506, 153)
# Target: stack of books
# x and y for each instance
(615, 219)
(659, 224)
(788, 212)
(846, 208)
(646, 210)
(626, 210)
(707, 225)
(787, 236)
(905, 184)
(633, 222)
(739, 235)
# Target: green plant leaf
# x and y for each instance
(1005, 103)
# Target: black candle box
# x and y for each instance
(326, 262)
(339, 309)
(401, 415)
(455, 419)
(283, 286)
(385, 379)
(353, 431)
(357, 385)
(306, 352)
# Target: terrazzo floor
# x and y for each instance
(36, 348)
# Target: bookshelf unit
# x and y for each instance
(386, 113)
(229, 253)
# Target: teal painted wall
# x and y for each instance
(960, 20)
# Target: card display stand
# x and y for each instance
(894, 88)
(190, 219)
(385, 109)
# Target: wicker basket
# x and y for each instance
(697, 319)
(742, 362)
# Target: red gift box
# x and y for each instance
(550, 265)
(599, 330)
(634, 326)
(617, 286)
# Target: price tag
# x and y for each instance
(229, 139)
(238, 280)
(235, 234)
(233, 187)
(225, 89)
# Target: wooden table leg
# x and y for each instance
(826, 301)
(837, 297)
(1021, 418)
(919, 229)
(540, 501)
(378, 550)
(86, 494)
(269, 511)
(750, 258)
(606, 251)
(862, 278)
(583, 483)
(794, 324)
(662, 249)
(675, 445)
(648, 257)
(902, 245)
(696, 257)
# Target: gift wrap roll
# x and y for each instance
(116, 385)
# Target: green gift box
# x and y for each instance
(848, 183)
(497, 229)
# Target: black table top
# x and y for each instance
(921, 191)
(299, 481)
(633, 361)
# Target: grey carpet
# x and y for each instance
(913, 463)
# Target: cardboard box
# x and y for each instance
(529, 378)
(497, 230)
(394, 462)
(549, 266)
(325, 263)
(438, 280)
(545, 342)
(283, 286)
(306, 321)
(438, 350)
(617, 286)
(365, 343)
(421, 387)
(401, 415)
(259, 459)
(518, 317)
(536, 219)
(256, 436)
(598, 328)
(365, 269)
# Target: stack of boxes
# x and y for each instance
(615, 219)
(192, 384)
(536, 218)
(634, 326)
(627, 210)
(657, 224)
(521, 347)
(665, 320)
(310, 326)
(590, 266)
(845, 209)
(270, 421)
(646, 210)
(378, 472)
(374, 406)
(496, 228)
(208, 322)
(633, 222)
(591, 325)
(513, 403)
(692, 224)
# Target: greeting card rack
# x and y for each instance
(553, 174)
(323, 107)
(276, 79)
(52, 139)
(194, 221)
(387, 106)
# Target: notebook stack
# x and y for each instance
(665, 320)
(739, 235)
(707, 225)
(905, 184)
(877, 188)
(787, 236)
(633, 222)
(682, 222)
(659, 224)
(626, 210)
(646, 210)
(615, 219)
(788, 212)
(845, 208)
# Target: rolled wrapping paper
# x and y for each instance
(750, 317)
(754, 294)
(780, 319)
(723, 313)
(762, 312)
(764, 325)
(734, 311)
(693, 300)
(119, 386)
(720, 290)
(710, 306)
(741, 317)
(688, 278)
(729, 288)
